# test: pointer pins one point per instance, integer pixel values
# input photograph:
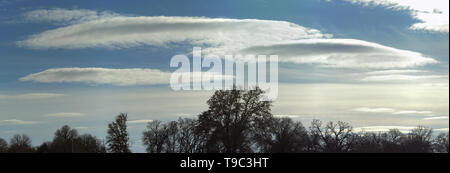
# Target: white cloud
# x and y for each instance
(437, 118)
(293, 43)
(412, 112)
(398, 77)
(66, 114)
(65, 16)
(392, 111)
(287, 116)
(432, 14)
(118, 77)
(139, 121)
(387, 72)
(441, 129)
(30, 96)
(16, 122)
(403, 129)
(374, 110)
(343, 53)
(122, 32)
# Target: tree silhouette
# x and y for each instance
(237, 121)
(64, 140)
(20, 144)
(419, 140)
(155, 137)
(367, 142)
(441, 143)
(283, 136)
(173, 137)
(3, 146)
(333, 137)
(118, 139)
(87, 143)
(188, 140)
(230, 119)
(67, 140)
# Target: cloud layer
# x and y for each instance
(66, 114)
(392, 111)
(28, 96)
(343, 53)
(293, 43)
(122, 32)
(118, 77)
(16, 122)
(64, 16)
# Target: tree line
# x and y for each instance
(237, 121)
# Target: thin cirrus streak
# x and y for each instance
(31, 96)
(117, 77)
(66, 114)
(437, 118)
(16, 122)
(392, 111)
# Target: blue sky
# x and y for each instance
(365, 61)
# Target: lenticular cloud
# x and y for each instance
(123, 32)
(293, 43)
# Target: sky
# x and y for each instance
(377, 64)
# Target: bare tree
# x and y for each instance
(87, 143)
(64, 140)
(3, 146)
(20, 144)
(283, 136)
(368, 142)
(334, 137)
(392, 141)
(419, 140)
(45, 147)
(189, 141)
(441, 143)
(172, 137)
(117, 138)
(155, 137)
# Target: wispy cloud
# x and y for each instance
(66, 114)
(390, 72)
(437, 118)
(374, 110)
(392, 111)
(27, 96)
(65, 16)
(432, 14)
(411, 112)
(441, 129)
(139, 121)
(118, 77)
(287, 116)
(16, 122)
(403, 129)
(398, 77)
